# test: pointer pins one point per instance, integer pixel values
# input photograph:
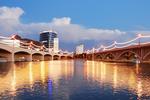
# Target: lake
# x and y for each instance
(74, 80)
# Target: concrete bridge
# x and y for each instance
(17, 53)
(132, 52)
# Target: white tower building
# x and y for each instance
(56, 45)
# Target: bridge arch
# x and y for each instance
(47, 57)
(37, 57)
(147, 57)
(63, 57)
(56, 57)
(17, 50)
(69, 57)
(22, 56)
(109, 56)
(128, 55)
(6, 48)
(5, 55)
(89, 57)
(99, 56)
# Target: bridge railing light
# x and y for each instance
(104, 49)
(13, 37)
(139, 35)
(115, 42)
(31, 43)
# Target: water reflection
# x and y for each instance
(125, 77)
(115, 77)
(71, 80)
(13, 80)
(30, 75)
(24, 74)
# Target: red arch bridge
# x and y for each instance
(135, 50)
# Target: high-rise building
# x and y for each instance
(47, 38)
(56, 45)
(80, 49)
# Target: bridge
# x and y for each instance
(16, 50)
(136, 50)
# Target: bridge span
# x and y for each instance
(135, 50)
(13, 51)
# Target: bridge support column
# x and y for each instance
(30, 58)
(11, 58)
(52, 57)
(42, 59)
(59, 57)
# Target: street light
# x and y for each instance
(115, 42)
(31, 43)
(42, 47)
(13, 38)
(93, 50)
(139, 37)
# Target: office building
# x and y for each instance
(47, 38)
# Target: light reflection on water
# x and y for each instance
(74, 80)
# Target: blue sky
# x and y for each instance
(97, 16)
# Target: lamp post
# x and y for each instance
(42, 47)
(13, 38)
(115, 44)
(139, 37)
(30, 47)
(31, 43)
(93, 53)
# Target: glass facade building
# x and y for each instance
(47, 38)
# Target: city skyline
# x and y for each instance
(76, 22)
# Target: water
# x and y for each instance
(74, 80)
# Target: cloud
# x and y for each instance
(9, 18)
(61, 21)
(13, 13)
(10, 23)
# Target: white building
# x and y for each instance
(80, 49)
(56, 45)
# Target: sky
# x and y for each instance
(90, 22)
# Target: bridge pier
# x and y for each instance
(11, 58)
(42, 58)
(30, 58)
(52, 57)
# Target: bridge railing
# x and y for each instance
(26, 45)
(139, 40)
(9, 42)
(19, 44)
